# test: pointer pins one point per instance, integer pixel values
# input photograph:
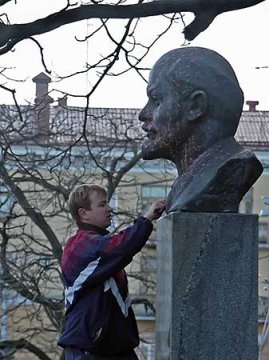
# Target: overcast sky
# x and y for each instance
(240, 36)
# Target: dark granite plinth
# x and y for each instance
(207, 287)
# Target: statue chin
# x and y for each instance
(149, 151)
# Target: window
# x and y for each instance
(263, 232)
(152, 193)
(246, 205)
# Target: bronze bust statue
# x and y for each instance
(193, 110)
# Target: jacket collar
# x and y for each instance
(99, 230)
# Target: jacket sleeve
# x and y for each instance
(100, 257)
(117, 250)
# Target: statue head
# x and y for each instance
(194, 100)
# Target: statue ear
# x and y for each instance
(197, 105)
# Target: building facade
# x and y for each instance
(46, 149)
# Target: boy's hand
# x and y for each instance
(156, 210)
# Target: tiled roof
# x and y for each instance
(122, 123)
(253, 129)
(107, 124)
(117, 124)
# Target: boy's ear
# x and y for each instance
(197, 105)
(81, 212)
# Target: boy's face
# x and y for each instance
(100, 213)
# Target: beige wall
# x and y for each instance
(265, 350)
(128, 199)
(261, 188)
(31, 320)
(264, 272)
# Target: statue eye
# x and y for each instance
(155, 99)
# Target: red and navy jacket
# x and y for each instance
(99, 317)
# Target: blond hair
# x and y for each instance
(80, 197)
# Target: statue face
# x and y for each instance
(163, 118)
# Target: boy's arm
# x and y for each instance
(109, 255)
(102, 256)
(130, 241)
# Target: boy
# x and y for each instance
(99, 320)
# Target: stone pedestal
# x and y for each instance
(207, 287)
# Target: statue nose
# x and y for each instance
(145, 114)
(141, 115)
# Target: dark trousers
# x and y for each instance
(76, 354)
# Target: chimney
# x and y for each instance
(252, 105)
(42, 106)
(62, 102)
(42, 80)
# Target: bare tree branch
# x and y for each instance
(205, 11)
(20, 287)
(114, 180)
(3, 2)
(41, 54)
(22, 343)
(36, 217)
